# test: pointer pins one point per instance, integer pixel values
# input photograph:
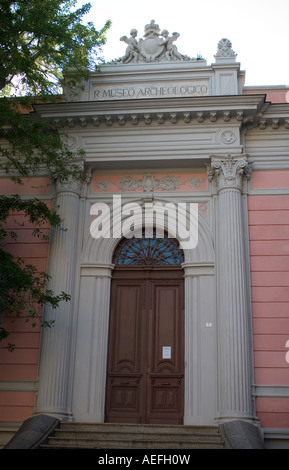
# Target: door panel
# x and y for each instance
(125, 359)
(146, 352)
(128, 311)
(165, 384)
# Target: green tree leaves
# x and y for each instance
(44, 44)
(40, 41)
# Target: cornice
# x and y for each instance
(198, 103)
(152, 68)
(240, 108)
(276, 116)
(278, 109)
(156, 68)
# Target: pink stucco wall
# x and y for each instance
(273, 96)
(269, 255)
(278, 96)
(21, 365)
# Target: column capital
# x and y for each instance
(73, 184)
(229, 171)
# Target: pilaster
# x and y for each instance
(233, 314)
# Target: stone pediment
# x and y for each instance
(155, 46)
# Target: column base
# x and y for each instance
(237, 417)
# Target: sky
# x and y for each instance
(257, 29)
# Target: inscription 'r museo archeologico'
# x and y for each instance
(200, 88)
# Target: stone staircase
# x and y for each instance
(134, 436)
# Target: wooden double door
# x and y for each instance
(145, 375)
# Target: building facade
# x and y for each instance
(193, 333)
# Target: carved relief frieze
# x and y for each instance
(150, 183)
(195, 182)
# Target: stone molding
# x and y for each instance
(185, 117)
(92, 270)
(180, 117)
(176, 117)
(276, 391)
(198, 269)
(18, 385)
(99, 251)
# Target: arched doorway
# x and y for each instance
(145, 372)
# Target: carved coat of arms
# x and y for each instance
(153, 47)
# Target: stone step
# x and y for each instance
(133, 436)
(139, 428)
(134, 432)
(126, 436)
(66, 443)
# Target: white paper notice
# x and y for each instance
(167, 352)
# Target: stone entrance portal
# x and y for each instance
(142, 122)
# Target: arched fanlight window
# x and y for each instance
(148, 251)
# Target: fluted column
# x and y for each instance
(56, 342)
(233, 314)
